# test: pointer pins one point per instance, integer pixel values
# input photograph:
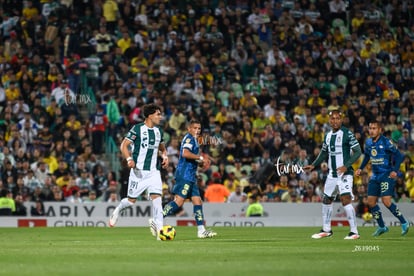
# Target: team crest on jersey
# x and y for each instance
(133, 137)
(374, 152)
(187, 141)
(338, 139)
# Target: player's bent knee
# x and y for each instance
(386, 201)
(179, 200)
(346, 199)
(327, 200)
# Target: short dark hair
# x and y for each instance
(150, 109)
(376, 122)
(194, 121)
(335, 111)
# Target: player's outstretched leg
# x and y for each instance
(117, 211)
(202, 232)
(376, 213)
(113, 219)
(397, 213)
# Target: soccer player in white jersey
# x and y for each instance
(342, 149)
(146, 140)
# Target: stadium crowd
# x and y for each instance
(261, 76)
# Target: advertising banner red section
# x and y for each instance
(32, 223)
(340, 223)
(186, 222)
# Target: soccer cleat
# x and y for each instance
(352, 236)
(322, 234)
(114, 217)
(153, 229)
(405, 227)
(206, 234)
(380, 231)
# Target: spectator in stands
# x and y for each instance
(59, 93)
(216, 191)
(75, 197)
(38, 209)
(20, 209)
(84, 182)
(111, 192)
(231, 182)
(91, 197)
(255, 208)
(7, 205)
(237, 195)
(404, 141)
(98, 124)
(113, 197)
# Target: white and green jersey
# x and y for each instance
(339, 146)
(146, 142)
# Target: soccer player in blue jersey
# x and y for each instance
(147, 141)
(186, 179)
(385, 161)
(342, 149)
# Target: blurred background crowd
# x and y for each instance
(261, 76)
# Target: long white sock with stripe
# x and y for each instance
(350, 214)
(157, 212)
(326, 216)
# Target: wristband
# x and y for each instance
(129, 159)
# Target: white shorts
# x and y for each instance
(342, 184)
(140, 180)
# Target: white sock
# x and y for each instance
(350, 213)
(124, 204)
(326, 216)
(157, 212)
(201, 228)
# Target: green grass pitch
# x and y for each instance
(235, 251)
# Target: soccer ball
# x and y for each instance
(367, 217)
(167, 233)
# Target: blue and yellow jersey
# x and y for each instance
(384, 155)
(187, 168)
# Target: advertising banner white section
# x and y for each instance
(216, 215)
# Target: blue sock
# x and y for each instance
(376, 213)
(396, 212)
(198, 214)
(170, 208)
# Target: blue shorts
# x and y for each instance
(381, 186)
(185, 188)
